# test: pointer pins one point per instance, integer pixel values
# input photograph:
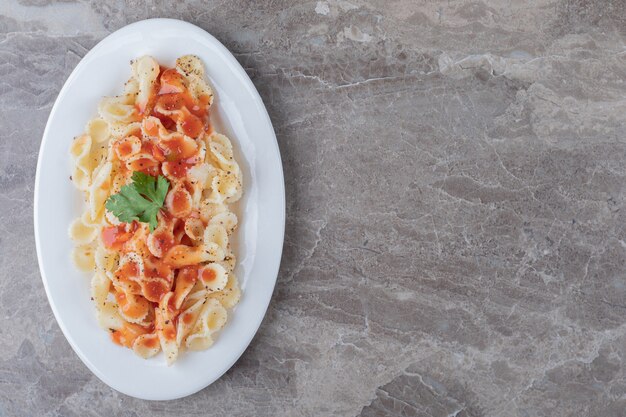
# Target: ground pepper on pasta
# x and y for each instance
(165, 287)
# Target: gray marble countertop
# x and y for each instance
(456, 233)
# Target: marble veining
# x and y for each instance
(456, 229)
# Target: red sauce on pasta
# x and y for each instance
(164, 240)
(153, 290)
(156, 268)
(187, 275)
(174, 102)
(187, 318)
(171, 306)
(166, 121)
(117, 337)
(151, 128)
(178, 169)
(173, 123)
(124, 148)
(180, 201)
(169, 333)
(114, 237)
(157, 153)
(208, 275)
(178, 147)
(129, 307)
(180, 107)
(171, 82)
(152, 148)
(191, 125)
(145, 165)
(128, 271)
(151, 342)
(186, 240)
(127, 334)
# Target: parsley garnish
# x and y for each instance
(140, 200)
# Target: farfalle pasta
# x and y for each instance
(156, 232)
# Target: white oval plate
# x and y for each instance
(239, 113)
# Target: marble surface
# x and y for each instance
(456, 234)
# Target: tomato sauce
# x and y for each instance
(124, 148)
(187, 276)
(114, 237)
(191, 125)
(179, 147)
(151, 342)
(171, 82)
(128, 271)
(171, 306)
(177, 169)
(208, 275)
(181, 201)
(191, 115)
(166, 121)
(156, 268)
(145, 165)
(164, 240)
(187, 318)
(154, 289)
(152, 148)
(186, 240)
(127, 334)
(169, 333)
(131, 308)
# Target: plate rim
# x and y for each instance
(280, 193)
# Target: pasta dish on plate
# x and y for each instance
(156, 233)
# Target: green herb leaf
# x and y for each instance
(140, 200)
